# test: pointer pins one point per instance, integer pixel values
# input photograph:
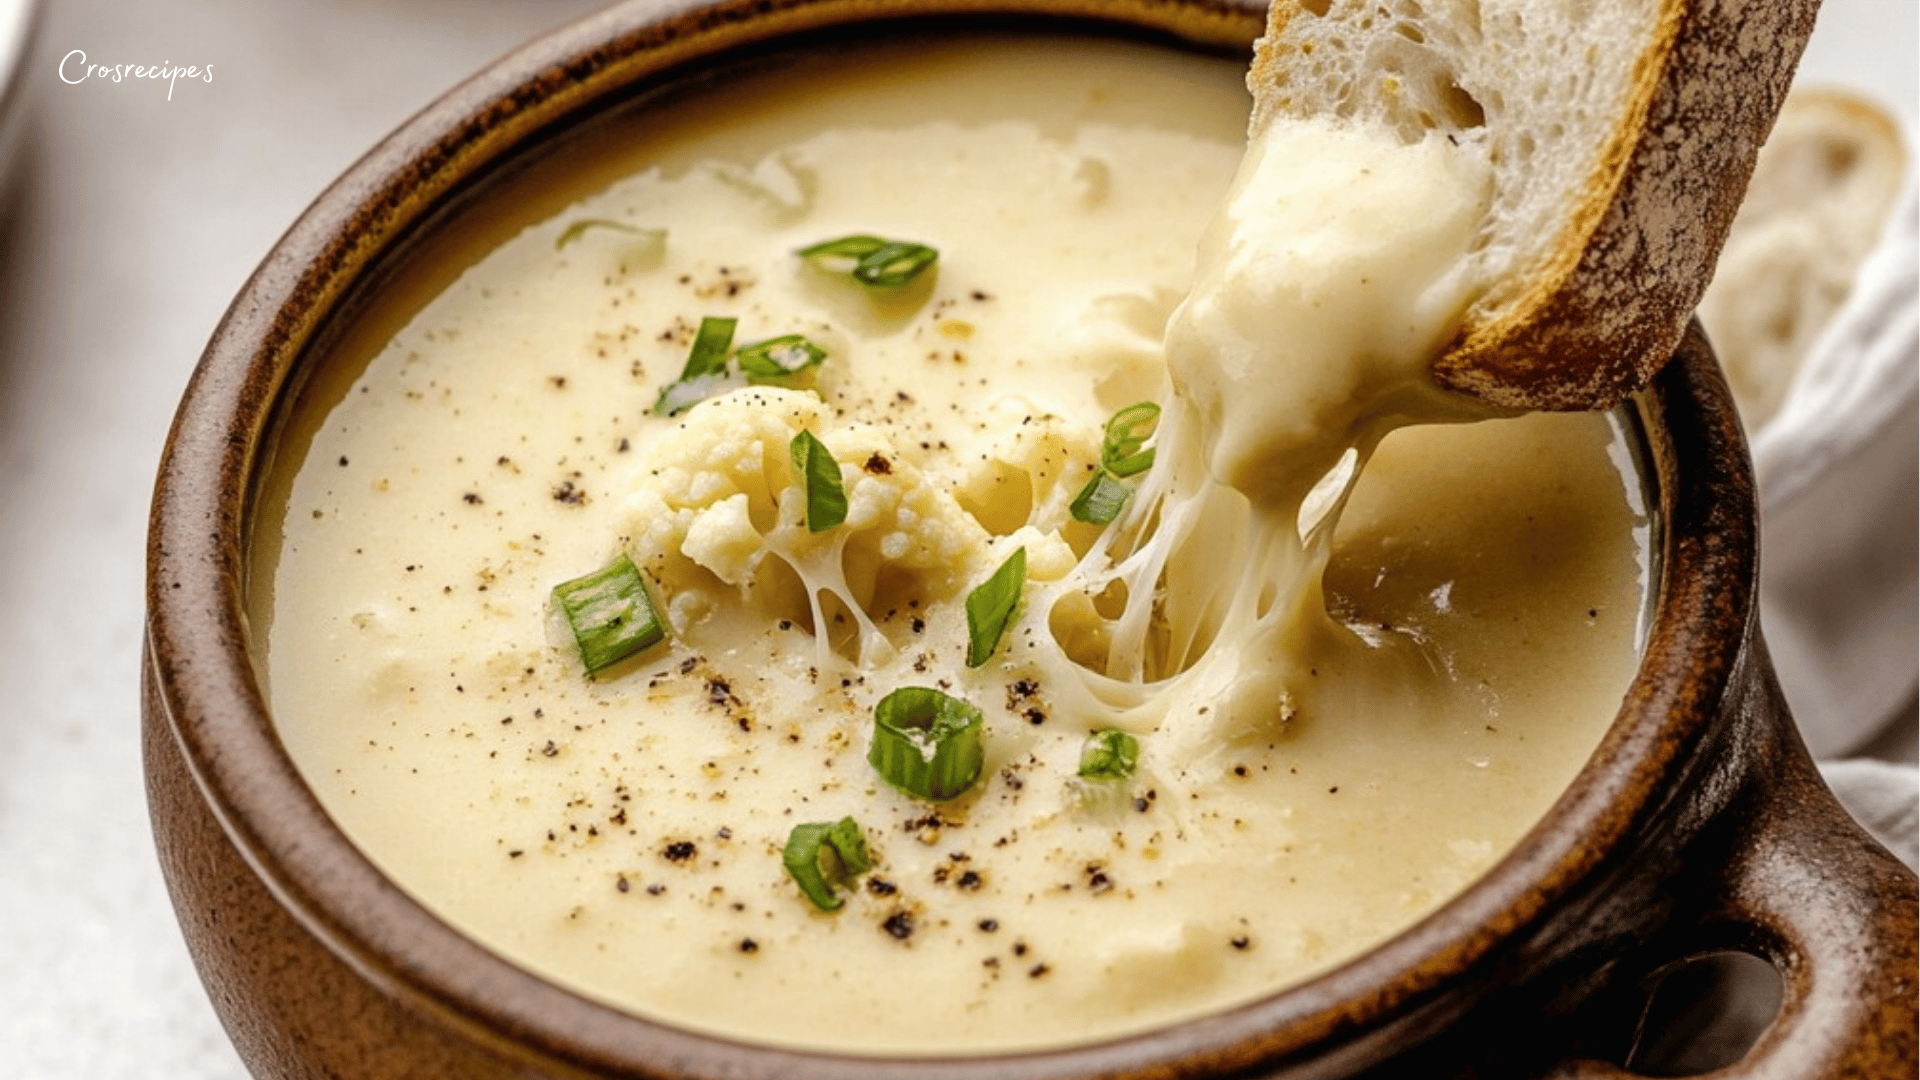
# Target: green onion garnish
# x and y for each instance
(926, 743)
(895, 264)
(819, 477)
(705, 370)
(876, 261)
(1100, 501)
(611, 615)
(710, 344)
(1109, 755)
(849, 247)
(1127, 432)
(779, 357)
(1123, 452)
(990, 607)
(824, 857)
(677, 397)
(580, 228)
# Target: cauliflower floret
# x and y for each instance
(653, 525)
(722, 539)
(719, 496)
(1049, 557)
(1030, 474)
(732, 444)
(914, 521)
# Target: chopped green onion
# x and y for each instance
(1127, 432)
(849, 247)
(824, 857)
(1109, 755)
(706, 367)
(677, 397)
(895, 264)
(876, 261)
(779, 357)
(1123, 452)
(710, 344)
(611, 615)
(1100, 501)
(580, 228)
(819, 477)
(926, 743)
(990, 607)
(706, 371)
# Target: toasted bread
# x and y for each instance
(1820, 198)
(1620, 134)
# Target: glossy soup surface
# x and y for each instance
(491, 437)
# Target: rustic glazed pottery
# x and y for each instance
(1699, 824)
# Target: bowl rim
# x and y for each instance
(197, 635)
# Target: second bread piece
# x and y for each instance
(1620, 134)
(1821, 195)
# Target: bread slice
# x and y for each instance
(1620, 135)
(1819, 201)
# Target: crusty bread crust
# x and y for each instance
(1601, 302)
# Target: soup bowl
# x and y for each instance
(1699, 823)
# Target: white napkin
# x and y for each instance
(1839, 473)
(1880, 796)
(1838, 479)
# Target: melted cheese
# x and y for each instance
(1329, 277)
(1324, 758)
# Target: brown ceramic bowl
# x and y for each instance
(1699, 824)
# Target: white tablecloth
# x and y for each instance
(133, 219)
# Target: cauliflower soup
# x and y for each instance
(1186, 779)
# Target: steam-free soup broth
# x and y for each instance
(1319, 761)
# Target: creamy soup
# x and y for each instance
(1323, 755)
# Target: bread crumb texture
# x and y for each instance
(1617, 170)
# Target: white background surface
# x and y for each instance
(129, 223)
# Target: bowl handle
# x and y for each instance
(1806, 889)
